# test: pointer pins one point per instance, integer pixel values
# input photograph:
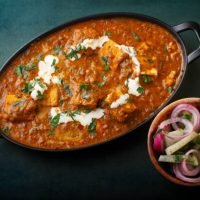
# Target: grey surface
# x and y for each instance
(118, 170)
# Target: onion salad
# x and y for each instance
(177, 142)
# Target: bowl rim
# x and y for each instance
(159, 117)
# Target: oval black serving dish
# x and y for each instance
(174, 30)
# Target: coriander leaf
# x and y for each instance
(67, 89)
(73, 52)
(92, 127)
(178, 158)
(54, 122)
(170, 89)
(140, 90)
(135, 36)
(5, 130)
(79, 48)
(85, 86)
(71, 114)
(54, 62)
(27, 88)
(146, 78)
(57, 49)
(105, 63)
(19, 70)
(150, 60)
(41, 84)
(87, 110)
(101, 84)
(39, 95)
(61, 101)
(77, 112)
(30, 66)
(108, 33)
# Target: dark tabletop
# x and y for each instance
(117, 170)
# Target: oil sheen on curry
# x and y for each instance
(88, 82)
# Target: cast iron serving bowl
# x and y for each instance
(174, 30)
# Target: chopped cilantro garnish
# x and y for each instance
(92, 127)
(21, 70)
(27, 88)
(57, 49)
(146, 78)
(87, 110)
(108, 33)
(67, 89)
(101, 84)
(140, 90)
(85, 86)
(39, 95)
(105, 62)
(54, 62)
(170, 89)
(74, 52)
(54, 122)
(150, 60)
(5, 130)
(135, 36)
(178, 158)
(41, 84)
(71, 114)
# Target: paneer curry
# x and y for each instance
(88, 82)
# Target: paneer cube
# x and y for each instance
(121, 113)
(10, 100)
(150, 72)
(51, 97)
(113, 54)
(170, 80)
(149, 66)
(113, 96)
(19, 109)
(142, 48)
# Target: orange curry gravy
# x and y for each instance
(83, 80)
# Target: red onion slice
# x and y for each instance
(159, 143)
(189, 108)
(187, 130)
(188, 170)
(180, 176)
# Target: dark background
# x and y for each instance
(118, 170)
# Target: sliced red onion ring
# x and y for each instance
(180, 176)
(188, 170)
(189, 108)
(159, 143)
(187, 130)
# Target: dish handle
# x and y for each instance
(194, 27)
